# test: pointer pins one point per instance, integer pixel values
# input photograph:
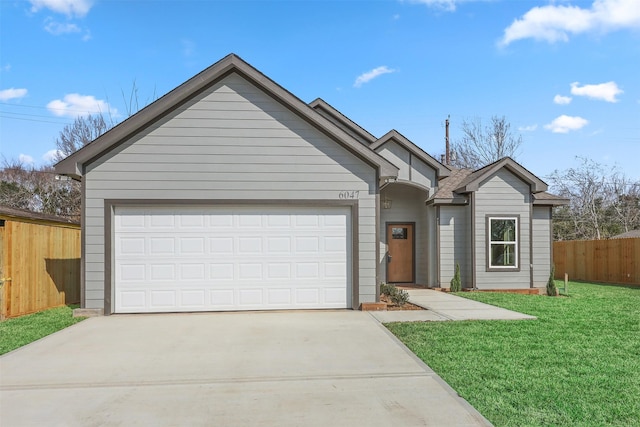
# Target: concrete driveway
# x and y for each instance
(323, 368)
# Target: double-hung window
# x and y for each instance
(503, 242)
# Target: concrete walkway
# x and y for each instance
(293, 368)
(442, 306)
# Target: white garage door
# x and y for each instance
(231, 258)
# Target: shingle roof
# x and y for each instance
(627, 235)
(7, 211)
(544, 198)
(450, 183)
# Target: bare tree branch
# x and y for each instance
(480, 145)
(604, 202)
(82, 131)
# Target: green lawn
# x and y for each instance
(578, 364)
(23, 330)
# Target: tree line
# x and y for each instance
(604, 201)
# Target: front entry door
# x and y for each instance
(400, 257)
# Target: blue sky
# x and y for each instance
(564, 73)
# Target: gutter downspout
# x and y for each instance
(438, 281)
(472, 201)
(530, 240)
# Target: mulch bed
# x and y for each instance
(392, 307)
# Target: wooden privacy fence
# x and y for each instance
(39, 262)
(609, 261)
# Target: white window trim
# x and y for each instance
(516, 242)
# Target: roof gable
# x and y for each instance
(74, 164)
(453, 188)
(397, 137)
(473, 181)
(342, 121)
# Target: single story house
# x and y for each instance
(230, 193)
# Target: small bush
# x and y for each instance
(388, 289)
(397, 296)
(552, 291)
(400, 298)
(456, 283)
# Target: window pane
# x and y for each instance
(398, 233)
(503, 230)
(503, 255)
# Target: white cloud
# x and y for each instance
(564, 124)
(562, 100)
(603, 91)
(529, 128)
(6, 68)
(57, 28)
(554, 23)
(51, 155)
(78, 8)
(370, 75)
(12, 93)
(448, 5)
(74, 105)
(25, 158)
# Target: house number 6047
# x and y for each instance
(348, 194)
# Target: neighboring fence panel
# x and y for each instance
(41, 267)
(609, 261)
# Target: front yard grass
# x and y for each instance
(578, 364)
(15, 333)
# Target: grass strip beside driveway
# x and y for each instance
(578, 364)
(15, 333)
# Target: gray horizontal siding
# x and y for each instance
(253, 185)
(455, 244)
(398, 156)
(423, 174)
(542, 242)
(233, 142)
(502, 194)
(270, 168)
(411, 168)
(248, 158)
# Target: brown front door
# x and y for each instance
(400, 255)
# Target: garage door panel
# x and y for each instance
(222, 299)
(279, 297)
(162, 246)
(194, 298)
(231, 258)
(131, 273)
(132, 300)
(333, 296)
(132, 245)
(251, 297)
(221, 271)
(308, 296)
(163, 299)
(192, 272)
(278, 271)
